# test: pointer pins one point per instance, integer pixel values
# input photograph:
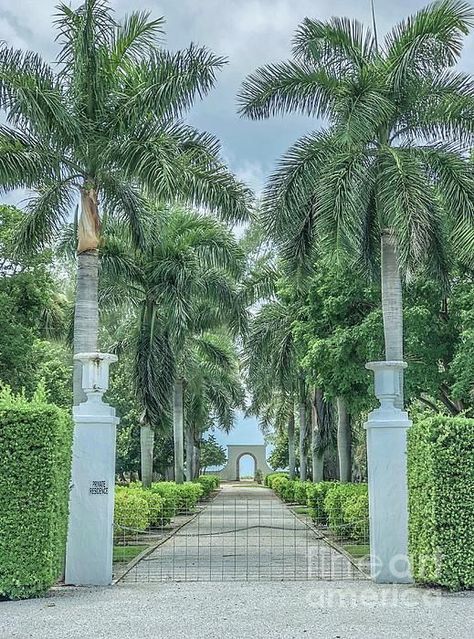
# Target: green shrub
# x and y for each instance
(288, 491)
(441, 501)
(167, 490)
(269, 478)
(35, 466)
(188, 494)
(209, 483)
(355, 511)
(338, 499)
(315, 496)
(300, 491)
(278, 484)
(155, 506)
(131, 510)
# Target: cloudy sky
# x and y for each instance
(248, 32)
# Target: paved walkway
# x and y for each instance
(245, 534)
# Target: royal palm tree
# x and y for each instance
(273, 374)
(182, 283)
(378, 183)
(213, 391)
(102, 127)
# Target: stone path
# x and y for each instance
(245, 534)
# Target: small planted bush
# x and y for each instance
(342, 513)
(269, 478)
(35, 466)
(315, 496)
(209, 483)
(155, 507)
(167, 490)
(278, 484)
(441, 501)
(188, 495)
(131, 511)
(300, 491)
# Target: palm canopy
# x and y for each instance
(182, 284)
(400, 121)
(214, 388)
(107, 124)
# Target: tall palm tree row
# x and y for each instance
(274, 376)
(387, 179)
(103, 127)
(181, 285)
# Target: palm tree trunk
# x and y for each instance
(197, 461)
(189, 443)
(317, 455)
(291, 444)
(302, 420)
(344, 443)
(392, 303)
(86, 314)
(147, 441)
(178, 422)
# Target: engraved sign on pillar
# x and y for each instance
(89, 549)
(99, 487)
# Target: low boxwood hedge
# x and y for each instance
(35, 467)
(271, 476)
(347, 509)
(315, 496)
(441, 501)
(209, 483)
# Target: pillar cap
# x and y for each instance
(96, 357)
(387, 365)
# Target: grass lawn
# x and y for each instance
(127, 553)
(357, 550)
(301, 510)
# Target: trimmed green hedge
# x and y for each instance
(271, 476)
(347, 509)
(131, 510)
(441, 501)
(315, 496)
(35, 467)
(209, 483)
(138, 508)
(343, 507)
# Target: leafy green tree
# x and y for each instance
(105, 123)
(213, 390)
(212, 453)
(180, 285)
(377, 182)
(273, 373)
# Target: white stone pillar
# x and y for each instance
(387, 475)
(89, 550)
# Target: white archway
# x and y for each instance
(235, 452)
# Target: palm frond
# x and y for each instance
(135, 37)
(409, 205)
(46, 213)
(25, 161)
(166, 84)
(32, 97)
(339, 44)
(429, 41)
(288, 87)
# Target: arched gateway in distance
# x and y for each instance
(235, 452)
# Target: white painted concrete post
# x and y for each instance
(89, 550)
(387, 475)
